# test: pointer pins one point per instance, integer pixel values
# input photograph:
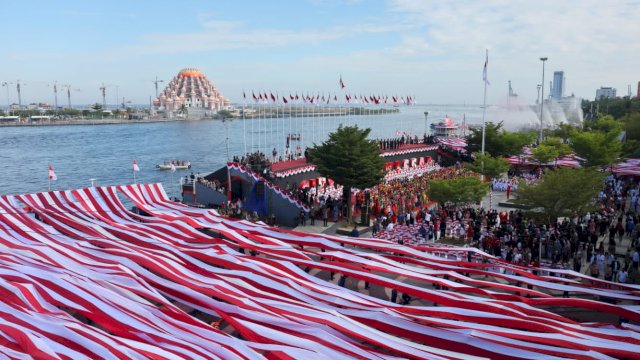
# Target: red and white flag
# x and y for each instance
(173, 167)
(341, 82)
(135, 166)
(52, 175)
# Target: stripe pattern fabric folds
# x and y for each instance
(88, 278)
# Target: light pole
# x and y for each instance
(426, 114)
(543, 59)
(6, 84)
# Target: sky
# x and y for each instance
(431, 50)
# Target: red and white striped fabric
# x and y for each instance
(525, 158)
(629, 167)
(459, 144)
(94, 280)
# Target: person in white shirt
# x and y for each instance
(622, 276)
(389, 227)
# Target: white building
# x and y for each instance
(605, 93)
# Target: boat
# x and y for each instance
(178, 165)
(446, 128)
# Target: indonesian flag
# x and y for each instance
(341, 82)
(244, 96)
(255, 98)
(173, 167)
(135, 166)
(52, 175)
(273, 98)
(284, 100)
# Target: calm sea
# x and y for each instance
(105, 152)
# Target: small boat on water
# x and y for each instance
(178, 165)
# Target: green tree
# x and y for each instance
(544, 153)
(559, 144)
(605, 124)
(563, 132)
(562, 192)
(632, 126)
(498, 141)
(597, 148)
(460, 191)
(487, 165)
(350, 159)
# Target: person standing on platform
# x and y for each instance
(325, 215)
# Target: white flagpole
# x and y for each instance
(253, 119)
(484, 104)
(49, 183)
(271, 123)
(244, 122)
(134, 177)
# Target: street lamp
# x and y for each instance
(6, 84)
(426, 114)
(543, 59)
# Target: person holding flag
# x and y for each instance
(52, 176)
(135, 170)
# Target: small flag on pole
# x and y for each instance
(484, 71)
(173, 167)
(135, 166)
(341, 82)
(52, 175)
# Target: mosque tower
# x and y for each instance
(193, 90)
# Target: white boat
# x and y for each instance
(177, 166)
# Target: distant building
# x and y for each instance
(605, 93)
(638, 93)
(190, 89)
(557, 91)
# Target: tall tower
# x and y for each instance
(557, 92)
(638, 93)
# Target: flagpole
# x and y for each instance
(484, 106)
(134, 177)
(244, 122)
(49, 183)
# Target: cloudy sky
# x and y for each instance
(432, 50)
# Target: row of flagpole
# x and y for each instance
(313, 106)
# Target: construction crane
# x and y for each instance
(103, 89)
(6, 84)
(69, 94)
(156, 82)
(55, 95)
(19, 95)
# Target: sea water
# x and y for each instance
(79, 153)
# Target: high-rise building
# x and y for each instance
(605, 93)
(558, 85)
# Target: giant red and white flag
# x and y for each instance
(135, 166)
(52, 175)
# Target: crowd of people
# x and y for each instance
(592, 243)
(395, 143)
